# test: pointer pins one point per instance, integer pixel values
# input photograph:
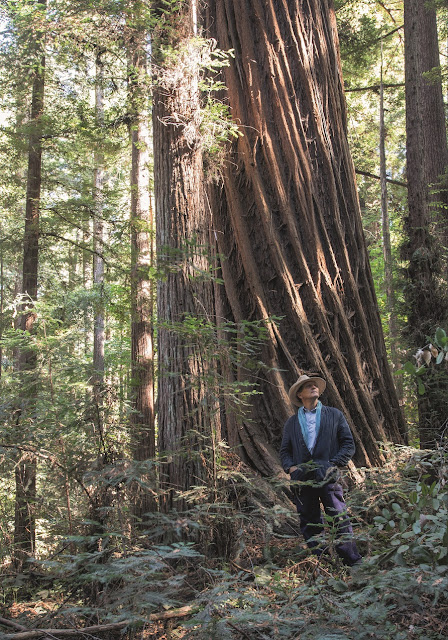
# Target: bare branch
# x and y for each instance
(374, 87)
(153, 617)
(11, 623)
(51, 234)
(372, 175)
(46, 456)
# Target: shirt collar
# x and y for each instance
(319, 403)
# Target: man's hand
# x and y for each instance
(291, 469)
(331, 472)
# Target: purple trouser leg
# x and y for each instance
(330, 495)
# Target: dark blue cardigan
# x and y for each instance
(334, 446)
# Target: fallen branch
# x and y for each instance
(233, 626)
(11, 623)
(113, 626)
(237, 566)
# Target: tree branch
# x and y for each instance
(386, 35)
(11, 623)
(374, 87)
(388, 11)
(372, 175)
(153, 617)
(51, 459)
(51, 234)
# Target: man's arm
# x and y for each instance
(345, 442)
(286, 448)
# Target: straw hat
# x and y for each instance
(320, 383)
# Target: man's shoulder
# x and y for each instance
(291, 419)
(331, 411)
(327, 408)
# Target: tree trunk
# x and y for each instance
(24, 520)
(387, 248)
(1, 300)
(187, 401)
(289, 227)
(86, 266)
(98, 262)
(142, 356)
(25, 473)
(427, 159)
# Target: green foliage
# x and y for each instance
(240, 345)
(281, 591)
(360, 31)
(207, 120)
(319, 600)
(434, 354)
(419, 531)
(371, 40)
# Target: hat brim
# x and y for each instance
(320, 383)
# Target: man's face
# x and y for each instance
(308, 391)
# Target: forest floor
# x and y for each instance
(269, 586)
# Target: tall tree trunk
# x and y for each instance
(187, 402)
(1, 300)
(25, 471)
(142, 352)
(98, 262)
(86, 266)
(387, 248)
(289, 226)
(427, 159)
(100, 495)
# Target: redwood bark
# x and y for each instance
(187, 402)
(425, 226)
(427, 159)
(289, 226)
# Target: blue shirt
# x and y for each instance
(309, 424)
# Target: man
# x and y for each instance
(316, 442)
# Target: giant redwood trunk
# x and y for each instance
(425, 226)
(25, 470)
(188, 425)
(288, 225)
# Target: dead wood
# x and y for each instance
(99, 628)
(11, 623)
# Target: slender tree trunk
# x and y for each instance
(1, 301)
(85, 277)
(387, 248)
(187, 400)
(289, 227)
(427, 159)
(24, 520)
(100, 495)
(25, 471)
(98, 262)
(142, 352)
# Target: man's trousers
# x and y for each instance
(308, 500)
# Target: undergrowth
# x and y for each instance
(265, 584)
